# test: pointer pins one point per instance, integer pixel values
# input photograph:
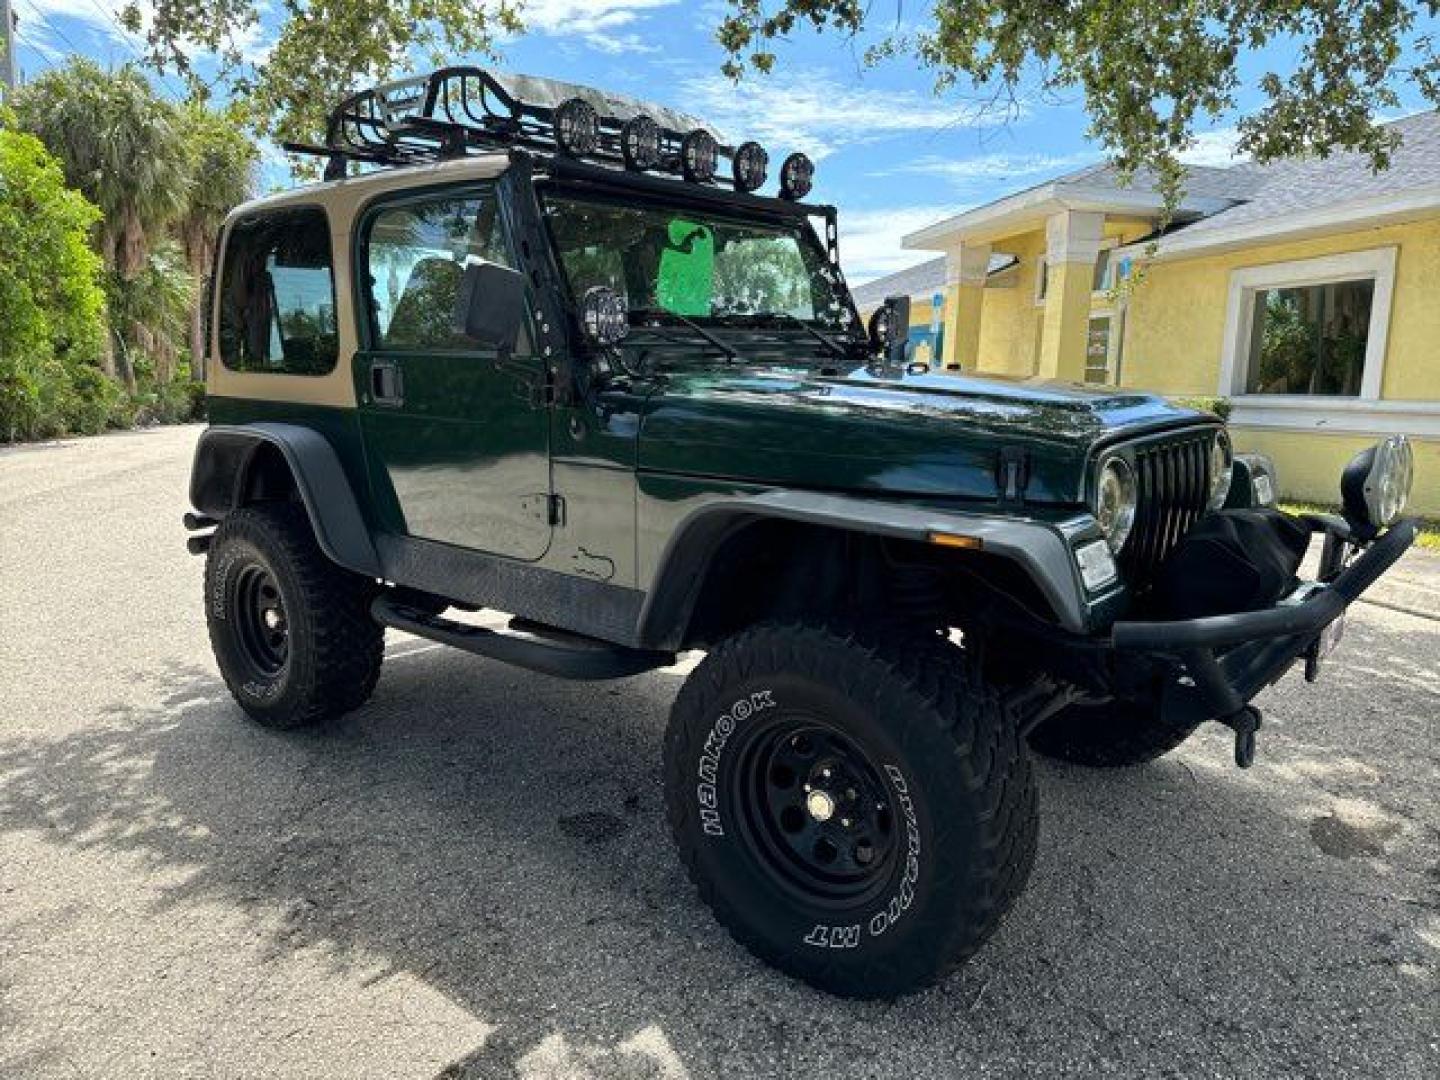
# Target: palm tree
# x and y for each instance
(224, 177)
(124, 148)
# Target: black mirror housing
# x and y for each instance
(490, 306)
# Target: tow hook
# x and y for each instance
(1245, 722)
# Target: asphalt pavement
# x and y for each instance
(471, 876)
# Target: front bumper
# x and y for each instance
(1225, 660)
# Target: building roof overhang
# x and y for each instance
(1026, 211)
(1218, 236)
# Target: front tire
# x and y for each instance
(858, 814)
(291, 631)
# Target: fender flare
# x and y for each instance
(226, 454)
(1041, 549)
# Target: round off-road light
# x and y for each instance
(604, 316)
(640, 143)
(749, 165)
(885, 329)
(1115, 500)
(1375, 486)
(797, 175)
(577, 127)
(1222, 466)
(698, 153)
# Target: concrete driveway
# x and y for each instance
(471, 877)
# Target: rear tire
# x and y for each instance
(917, 831)
(1109, 736)
(291, 631)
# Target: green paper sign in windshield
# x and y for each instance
(687, 269)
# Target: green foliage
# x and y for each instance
(160, 179)
(323, 49)
(1220, 406)
(1148, 69)
(121, 145)
(51, 305)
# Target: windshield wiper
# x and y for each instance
(786, 319)
(728, 351)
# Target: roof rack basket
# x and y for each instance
(450, 113)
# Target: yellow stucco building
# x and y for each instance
(1306, 292)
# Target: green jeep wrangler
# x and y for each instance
(524, 351)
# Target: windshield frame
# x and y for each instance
(793, 219)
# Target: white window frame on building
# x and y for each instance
(1365, 413)
(1246, 284)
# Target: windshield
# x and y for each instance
(691, 263)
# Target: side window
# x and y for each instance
(277, 294)
(415, 259)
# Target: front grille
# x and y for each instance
(1173, 478)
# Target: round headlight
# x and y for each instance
(1115, 501)
(796, 175)
(577, 126)
(698, 151)
(640, 143)
(750, 163)
(604, 316)
(1222, 465)
(1375, 486)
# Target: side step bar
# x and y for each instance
(550, 652)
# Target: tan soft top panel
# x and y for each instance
(341, 200)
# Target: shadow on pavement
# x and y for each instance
(501, 837)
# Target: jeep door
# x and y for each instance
(456, 438)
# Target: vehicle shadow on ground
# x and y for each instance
(501, 837)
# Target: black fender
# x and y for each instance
(227, 455)
(1041, 549)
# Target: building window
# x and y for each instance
(1042, 279)
(1311, 328)
(1310, 339)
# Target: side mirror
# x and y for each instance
(890, 329)
(490, 306)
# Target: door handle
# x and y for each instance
(387, 385)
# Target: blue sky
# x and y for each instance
(891, 155)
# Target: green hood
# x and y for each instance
(929, 435)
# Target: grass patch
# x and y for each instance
(1428, 537)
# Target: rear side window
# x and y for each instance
(277, 294)
(415, 255)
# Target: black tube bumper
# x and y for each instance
(1228, 659)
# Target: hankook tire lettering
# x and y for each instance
(709, 767)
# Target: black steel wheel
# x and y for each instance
(291, 631)
(261, 628)
(815, 809)
(856, 810)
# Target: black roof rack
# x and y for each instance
(454, 111)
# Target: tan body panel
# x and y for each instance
(341, 200)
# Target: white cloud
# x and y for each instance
(598, 23)
(817, 113)
(993, 168)
(1214, 148)
(870, 239)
